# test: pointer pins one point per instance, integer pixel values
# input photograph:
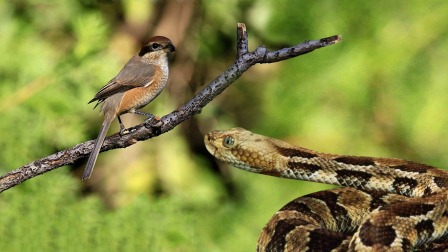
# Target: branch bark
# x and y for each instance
(153, 128)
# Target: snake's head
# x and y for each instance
(239, 147)
(221, 143)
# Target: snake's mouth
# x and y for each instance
(208, 141)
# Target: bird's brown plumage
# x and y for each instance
(139, 82)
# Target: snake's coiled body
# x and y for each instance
(384, 204)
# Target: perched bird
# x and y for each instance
(136, 85)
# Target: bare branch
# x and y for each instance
(144, 131)
(242, 46)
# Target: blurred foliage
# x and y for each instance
(381, 92)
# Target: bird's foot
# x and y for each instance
(122, 128)
(123, 132)
(153, 121)
(152, 118)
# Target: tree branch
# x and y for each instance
(153, 128)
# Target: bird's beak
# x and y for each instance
(171, 48)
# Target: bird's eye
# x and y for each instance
(155, 46)
(228, 141)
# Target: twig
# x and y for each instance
(144, 131)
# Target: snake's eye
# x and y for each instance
(155, 46)
(228, 141)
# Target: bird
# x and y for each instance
(139, 82)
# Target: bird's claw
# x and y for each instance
(151, 118)
(153, 121)
(126, 131)
(123, 132)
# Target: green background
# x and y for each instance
(383, 91)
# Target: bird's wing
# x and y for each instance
(134, 74)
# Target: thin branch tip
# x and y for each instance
(332, 40)
(242, 26)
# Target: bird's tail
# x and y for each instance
(97, 146)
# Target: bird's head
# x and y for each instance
(156, 48)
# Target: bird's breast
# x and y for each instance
(137, 98)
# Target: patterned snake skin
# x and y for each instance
(384, 204)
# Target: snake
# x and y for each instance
(381, 204)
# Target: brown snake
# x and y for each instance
(384, 204)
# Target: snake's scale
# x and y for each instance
(384, 204)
